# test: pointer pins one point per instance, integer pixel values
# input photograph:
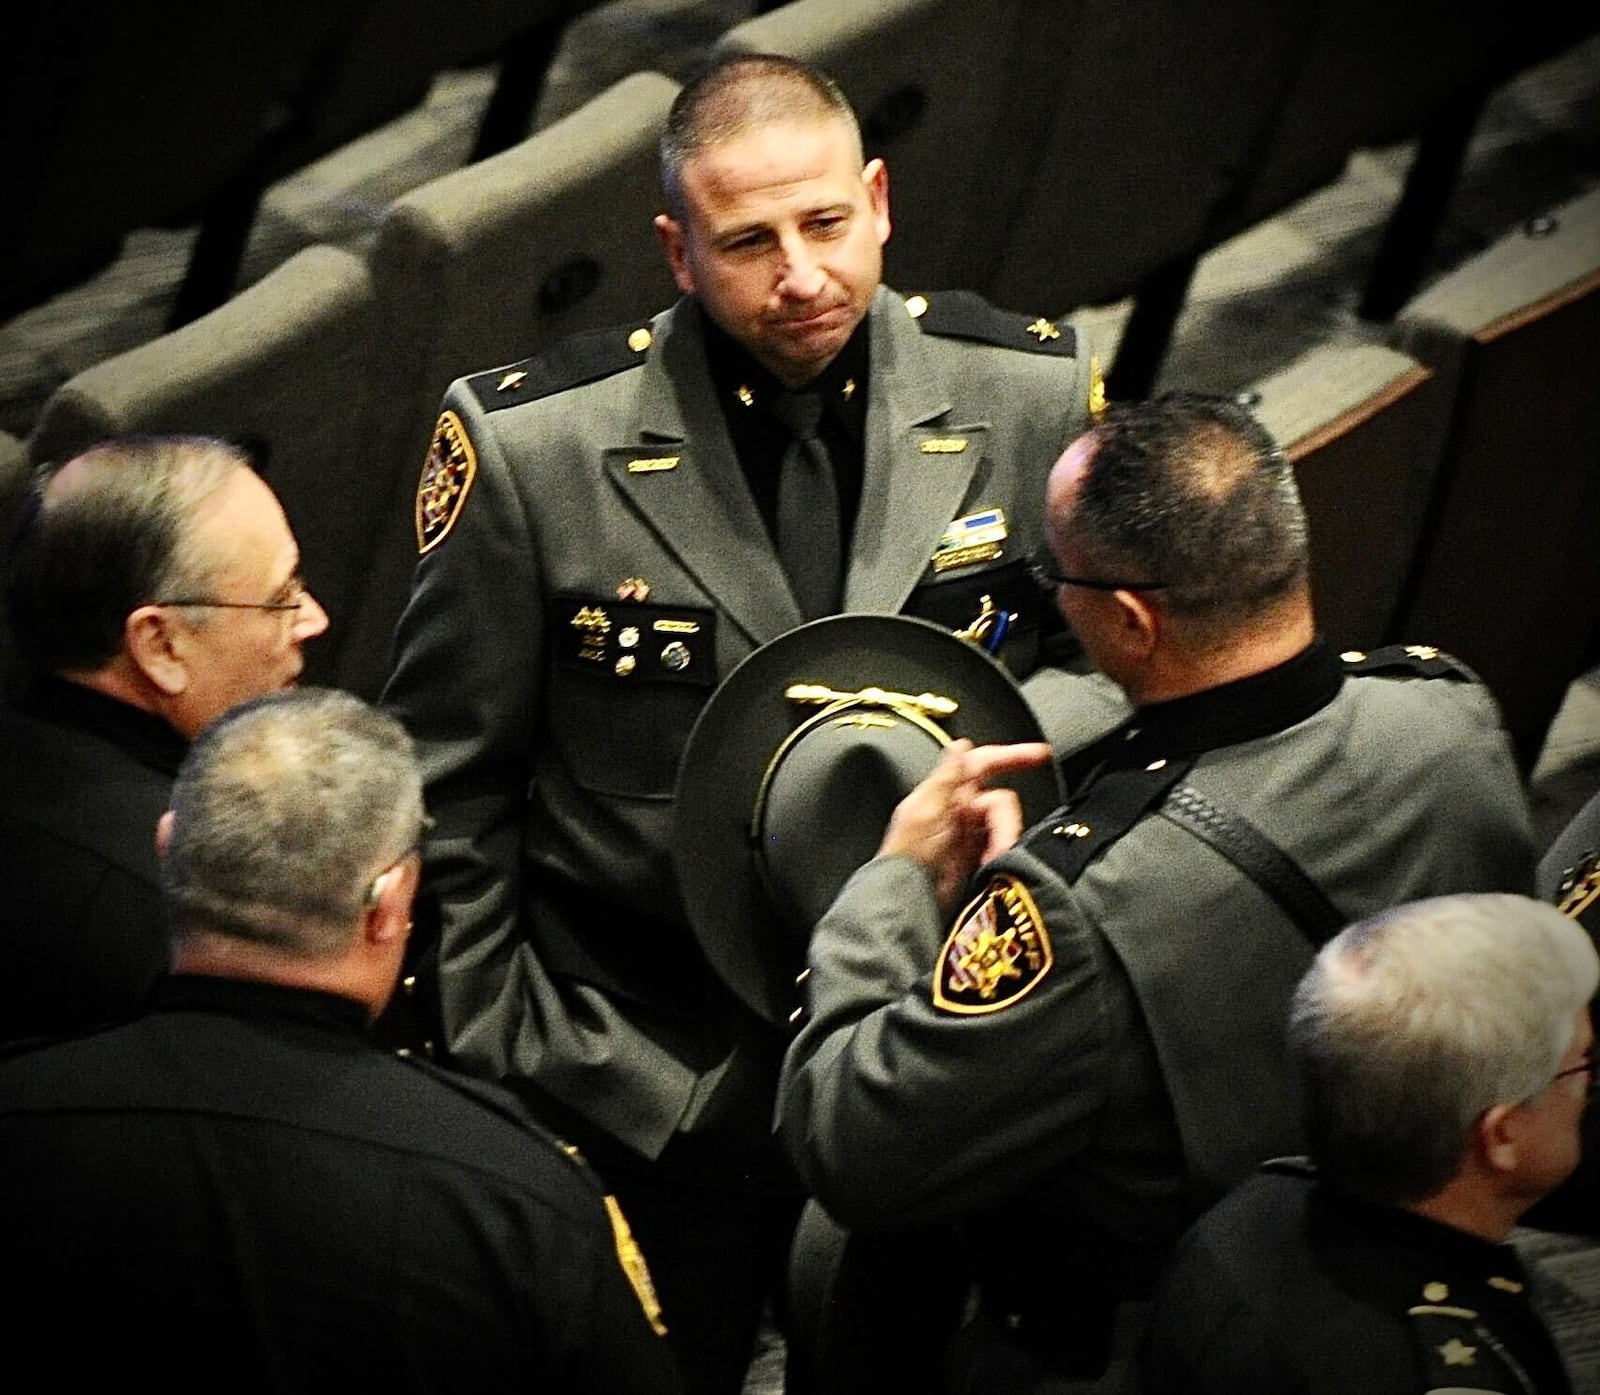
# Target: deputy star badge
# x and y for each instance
(447, 477)
(998, 952)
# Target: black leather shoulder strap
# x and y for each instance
(1260, 859)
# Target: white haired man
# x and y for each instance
(1445, 1052)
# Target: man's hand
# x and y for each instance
(952, 823)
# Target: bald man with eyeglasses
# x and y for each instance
(1058, 1063)
(152, 584)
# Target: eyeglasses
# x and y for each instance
(293, 591)
(1582, 1068)
(1049, 579)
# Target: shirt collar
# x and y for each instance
(1422, 1256)
(736, 374)
(252, 998)
(142, 735)
(1245, 710)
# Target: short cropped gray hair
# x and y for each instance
(1191, 490)
(742, 93)
(1410, 1024)
(285, 810)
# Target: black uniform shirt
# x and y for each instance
(1227, 715)
(760, 439)
(239, 1192)
(141, 735)
(1293, 1287)
(83, 933)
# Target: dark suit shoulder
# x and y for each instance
(499, 1110)
(584, 358)
(967, 315)
(1406, 661)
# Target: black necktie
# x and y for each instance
(808, 508)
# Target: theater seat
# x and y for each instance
(1150, 109)
(14, 471)
(1509, 575)
(1364, 426)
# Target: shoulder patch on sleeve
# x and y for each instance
(447, 476)
(584, 358)
(1580, 887)
(967, 315)
(1413, 660)
(997, 953)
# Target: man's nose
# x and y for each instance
(310, 620)
(802, 276)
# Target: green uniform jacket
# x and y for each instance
(551, 693)
(1128, 1063)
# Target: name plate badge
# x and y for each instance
(967, 541)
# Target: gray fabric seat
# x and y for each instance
(121, 116)
(1364, 426)
(1508, 577)
(1149, 109)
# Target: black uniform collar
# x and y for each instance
(141, 735)
(1435, 1275)
(1421, 1250)
(1244, 710)
(739, 378)
(250, 998)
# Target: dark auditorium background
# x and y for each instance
(295, 223)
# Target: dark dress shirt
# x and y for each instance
(239, 1192)
(84, 934)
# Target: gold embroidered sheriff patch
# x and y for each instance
(632, 1260)
(447, 476)
(997, 953)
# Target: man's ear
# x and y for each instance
(875, 175)
(158, 647)
(388, 909)
(670, 232)
(1495, 1135)
(164, 833)
(1139, 623)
